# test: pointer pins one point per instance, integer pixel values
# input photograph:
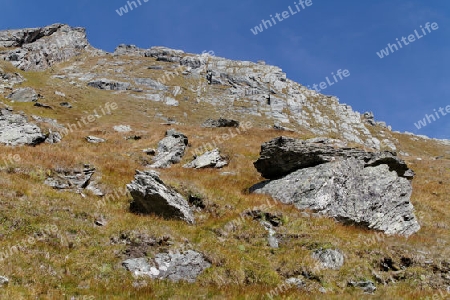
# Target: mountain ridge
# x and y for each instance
(96, 120)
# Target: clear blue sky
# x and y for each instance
(320, 39)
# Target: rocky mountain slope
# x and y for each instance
(155, 173)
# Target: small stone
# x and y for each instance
(122, 128)
(94, 140)
(3, 281)
(65, 104)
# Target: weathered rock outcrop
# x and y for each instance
(40, 48)
(15, 130)
(111, 85)
(221, 122)
(284, 155)
(150, 84)
(164, 54)
(8, 80)
(152, 196)
(170, 149)
(367, 189)
(248, 88)
(74, 180)
(129, 50)
(209, 159)
(173, 266)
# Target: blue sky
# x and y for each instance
(320, 39)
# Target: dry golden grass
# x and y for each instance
(79, 259)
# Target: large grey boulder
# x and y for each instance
(209, 159)
(23, 95)
(173, 266)
(283, 155)
(40, 48)
(152, 196)
(170, 149)
(369, 190)
(329, 258)
(15, 130)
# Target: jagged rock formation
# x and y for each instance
(170, 149)
(221, 122)
(367, 189)
(209, 159)
(233, 87)
(173, 266)
(40, 48)
(74, 180)
(15, 130)
(164, 54)
(151, 195)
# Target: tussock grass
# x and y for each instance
(80, 259)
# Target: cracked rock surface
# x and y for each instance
(151, 195)
(351, 186)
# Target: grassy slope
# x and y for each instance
(79, 258)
